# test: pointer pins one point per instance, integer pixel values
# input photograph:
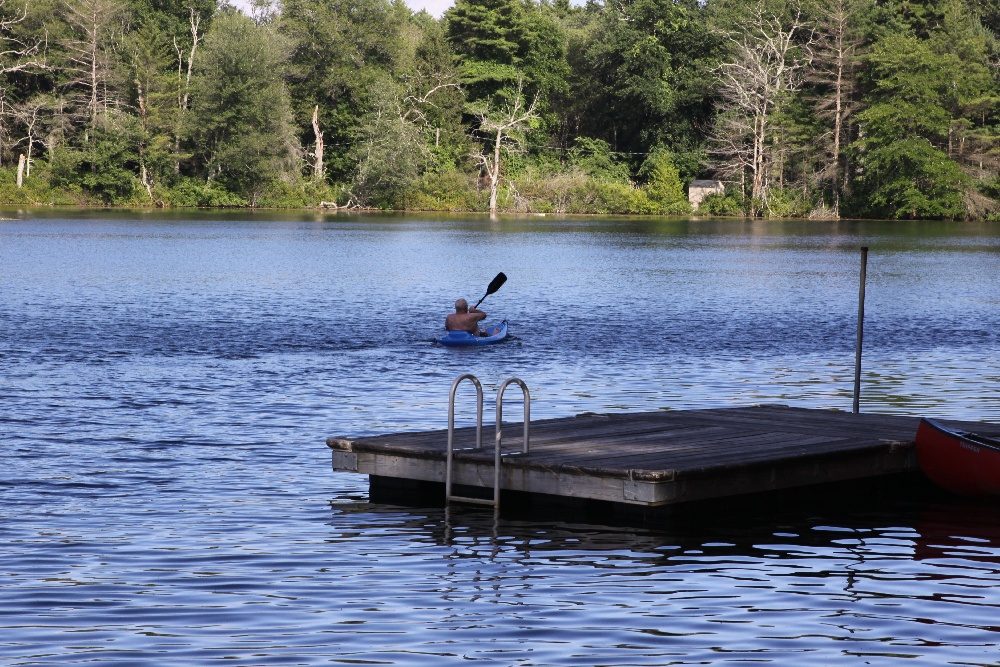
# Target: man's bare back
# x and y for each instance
(464, 318)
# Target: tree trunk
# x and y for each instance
(506, 123)
(20, 171)
(183, 92)
(495, 172)
(93, 72)
(838, 121)
(318, 171)
(833, 69)
(144, 175)
(839, 109)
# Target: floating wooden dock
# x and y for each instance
(653, 459)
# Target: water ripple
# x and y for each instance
(167, 385)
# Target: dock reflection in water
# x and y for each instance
(818, 585)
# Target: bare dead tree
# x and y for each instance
(418, 104)
(95, 24)
(29, 115)
(415, 103)
(974, 147)
(184, 82)
(16, 55)
(318, 169)
(769, 56)
(833, 73)
(977, 151)
(505, 126)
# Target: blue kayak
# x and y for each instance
(466, 339)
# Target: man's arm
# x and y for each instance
(477, 314)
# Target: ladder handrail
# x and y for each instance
(498, 450)
(527, 410)
(451, 424)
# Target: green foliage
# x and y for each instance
(35, 189)
(991, 188)
(489, 31)
(240, 124)
(922, 16)
(390, 154)
(788, 203)
(988, 12)
(627, 93)
(651, 60)
(106, 165)
(728, 204)
(663, 184)
(912, 179)
(446, 191)
(341, 52)
(191, 193)
(498, 42)
(441, 114)
(919, 87)
(154, 91)
(617, 197)
(575, 192)
(594, 158)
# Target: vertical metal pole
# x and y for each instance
(861, 329)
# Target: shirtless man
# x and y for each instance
(465, 319)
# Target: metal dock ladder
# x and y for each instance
(498, 452)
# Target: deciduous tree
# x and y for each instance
(648, 63)
(390, 153)
(240, 124)
(342, 52)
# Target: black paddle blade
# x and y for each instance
(496, 283)
(494, 286)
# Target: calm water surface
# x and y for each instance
(167, 383)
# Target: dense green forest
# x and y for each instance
(818, 108)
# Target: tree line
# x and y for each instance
(818, 108)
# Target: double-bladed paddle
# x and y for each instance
(494, 286)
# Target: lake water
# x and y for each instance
(167, 382)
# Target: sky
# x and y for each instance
(438, 7)
(433, 7)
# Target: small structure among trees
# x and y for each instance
(698, 190)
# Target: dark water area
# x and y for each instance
(167, 382)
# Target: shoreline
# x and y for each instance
(506, 214)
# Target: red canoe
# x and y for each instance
(961, 462)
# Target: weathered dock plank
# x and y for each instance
(655, 458)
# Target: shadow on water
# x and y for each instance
(934, 520)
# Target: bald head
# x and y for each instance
(461, 306)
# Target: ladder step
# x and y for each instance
(475, 501)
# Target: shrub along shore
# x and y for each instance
(571, 192)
